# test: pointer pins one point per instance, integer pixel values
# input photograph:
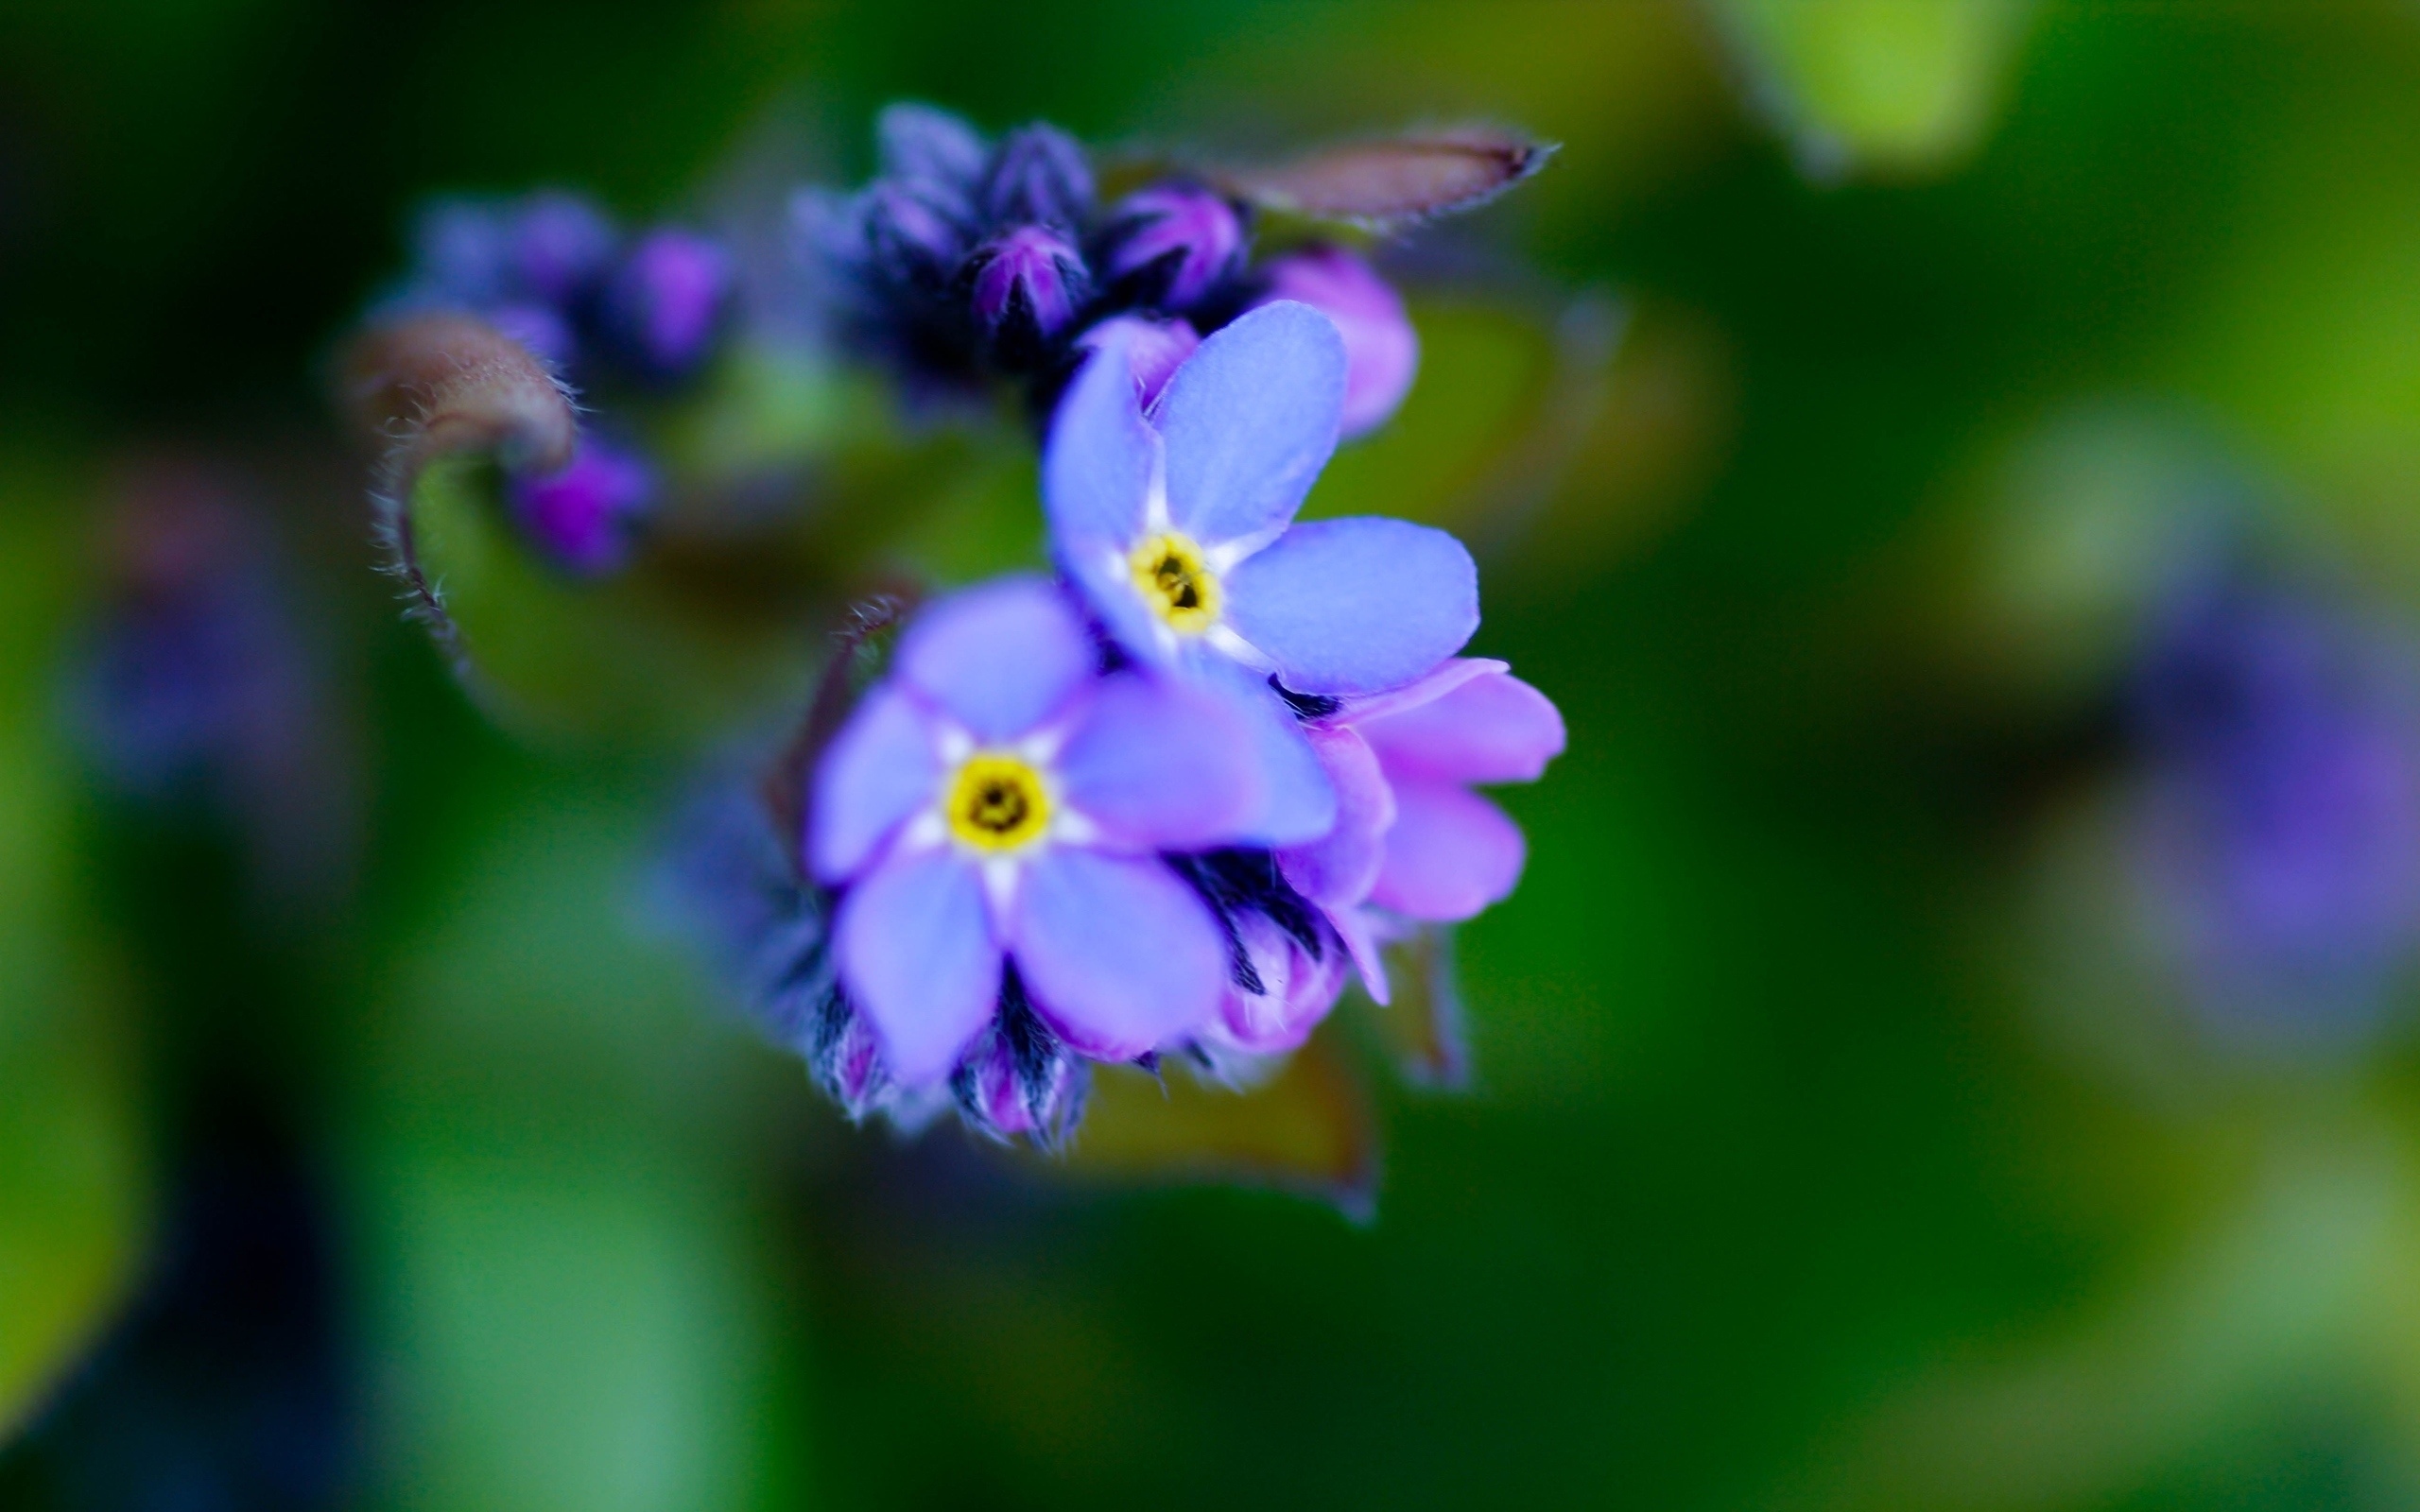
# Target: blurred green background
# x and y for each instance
(1780, 1184)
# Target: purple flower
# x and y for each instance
(1411, 841)
(994, 814)
(582, 516)
(2280, 821)
(559, 245)
(1382, 351)
(526, 264)
(1154, 349)
(1178, 527)
(1027, 285)
(1170, 245)
(666, 302)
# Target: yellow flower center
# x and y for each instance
(998, 803)
(1176, 583)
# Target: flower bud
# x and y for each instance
(581, 515)
(1038, 174)
(1027, 285)
(910, 238)
(930, 151)
(1153, 348)
(1170, 245)
(667, 299)
(1381, 350)
(1296, 989)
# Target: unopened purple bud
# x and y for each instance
(1018, 1079)
(910, 236)
(929, 150)
(1038, 174)
(583, 515)
(668, 298)
(1172, 243)
(1381, 350)
(1027, 285)
(1153, 348)
(849, 1064)
(1296, 989)
(560, 245)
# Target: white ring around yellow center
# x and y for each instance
(1174, 577)
(998, 803)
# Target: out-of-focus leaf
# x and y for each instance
(1421, 1026)
(2297, 1281)
(1883, 87)
(676, 651)
(1388, 182)
(1308, 1128)
(1550, 445)
(2080, 524)
(73, 1185)
(1487, 372)
(566, 1309)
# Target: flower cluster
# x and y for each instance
(1161, 804)
(965, 258)
(2279, 822)
(608, 311)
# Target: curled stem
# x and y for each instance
(439, 384)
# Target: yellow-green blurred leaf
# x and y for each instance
(74, 1184)
(670, 649)
(1887, 87)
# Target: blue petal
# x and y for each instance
(1350, 607)
(1250, 419)
(917, 955)
(999, 659)
(878, 770)
(1120, 954)
(1298, 802)
(1096, 465)
(1162, 766)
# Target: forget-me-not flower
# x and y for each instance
(994, 814)
(1178, 525)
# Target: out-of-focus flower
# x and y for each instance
(198, 685)
(583, 515)
(996, 811)
(667, 300)
(550, 271)
(1179, 529)
(1381, 350)
(1412, 843)
(2278, 824)
(1170, 245)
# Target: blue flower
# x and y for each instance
(2279, 819)
(995, 815)
(1178, 527)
